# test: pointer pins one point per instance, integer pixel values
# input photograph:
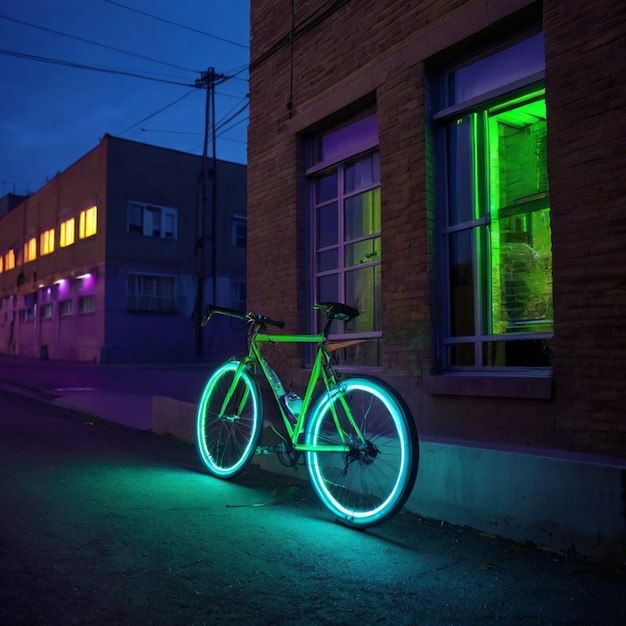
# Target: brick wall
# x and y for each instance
(586, 72)
(359, 53)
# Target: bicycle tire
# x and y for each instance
(371, 482)
(227, 436)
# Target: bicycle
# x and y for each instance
(357, 434)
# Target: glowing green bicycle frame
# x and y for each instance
(318, 371)
(386, 460)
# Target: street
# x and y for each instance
(104, 524)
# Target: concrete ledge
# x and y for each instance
(174, 417)
(570, 504)
(567, 502)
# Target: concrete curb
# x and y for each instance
(566, 504)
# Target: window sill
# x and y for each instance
(533, 384)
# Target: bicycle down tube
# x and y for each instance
(318, 371)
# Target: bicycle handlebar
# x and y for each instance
(248, 317)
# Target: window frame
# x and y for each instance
(67, 232)
(30, 249)
(357, 140)
(165, 304)
(447, 113)
(46, 241)
(139, 229)
(88, 222)
(239, 237)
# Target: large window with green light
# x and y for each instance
(497, 251)
(344, 183)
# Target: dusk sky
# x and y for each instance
(73, 70)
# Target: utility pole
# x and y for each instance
(207, 81)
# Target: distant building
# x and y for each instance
(455, 170)
(107, 260)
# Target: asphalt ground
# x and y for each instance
(102, 523)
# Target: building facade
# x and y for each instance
(113, 258)
(455, 171)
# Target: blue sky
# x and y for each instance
(153, 51)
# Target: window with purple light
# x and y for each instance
(344, 185)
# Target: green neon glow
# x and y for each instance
(229, 420)
(357, 433)
(520, 237)
(360, 493)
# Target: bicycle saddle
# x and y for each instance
(338, 311)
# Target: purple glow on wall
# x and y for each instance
(88, 281)
(64, 286)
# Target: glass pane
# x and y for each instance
(328, 288)
(362, 173)
(528, 353)
(505, 67)
(362, 215)
(460, 174)
(338, 143)
(326, 188)
(461, 284)
(517, 153)
(366, 251)
(327, 227)
(328, 260)
(462, 355)
(522, 273)
(363, 293)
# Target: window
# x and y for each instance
(46, 311)
(238, 292)
(30, 250)
(344, 182)
(65, 308)
(152, 221)
(30, 304)
(240, 231)
(67, 232)
(149, 292)
(46, 242)
(496, 212)
(9, 260)
(86, 304)
(1, 264)
(88, 222)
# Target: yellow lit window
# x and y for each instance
(87, 224)
(46, 242)
(67, 230)
(9, 260)
(1, 264)
(30, 250)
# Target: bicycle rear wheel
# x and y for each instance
(372, 479)
(229, 420)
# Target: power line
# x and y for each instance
(167, 106)
(107, 70)
(94, 43)
(195, 30)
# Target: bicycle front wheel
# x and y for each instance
(229, 420)
(372, 478)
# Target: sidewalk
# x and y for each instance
(121, 393)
